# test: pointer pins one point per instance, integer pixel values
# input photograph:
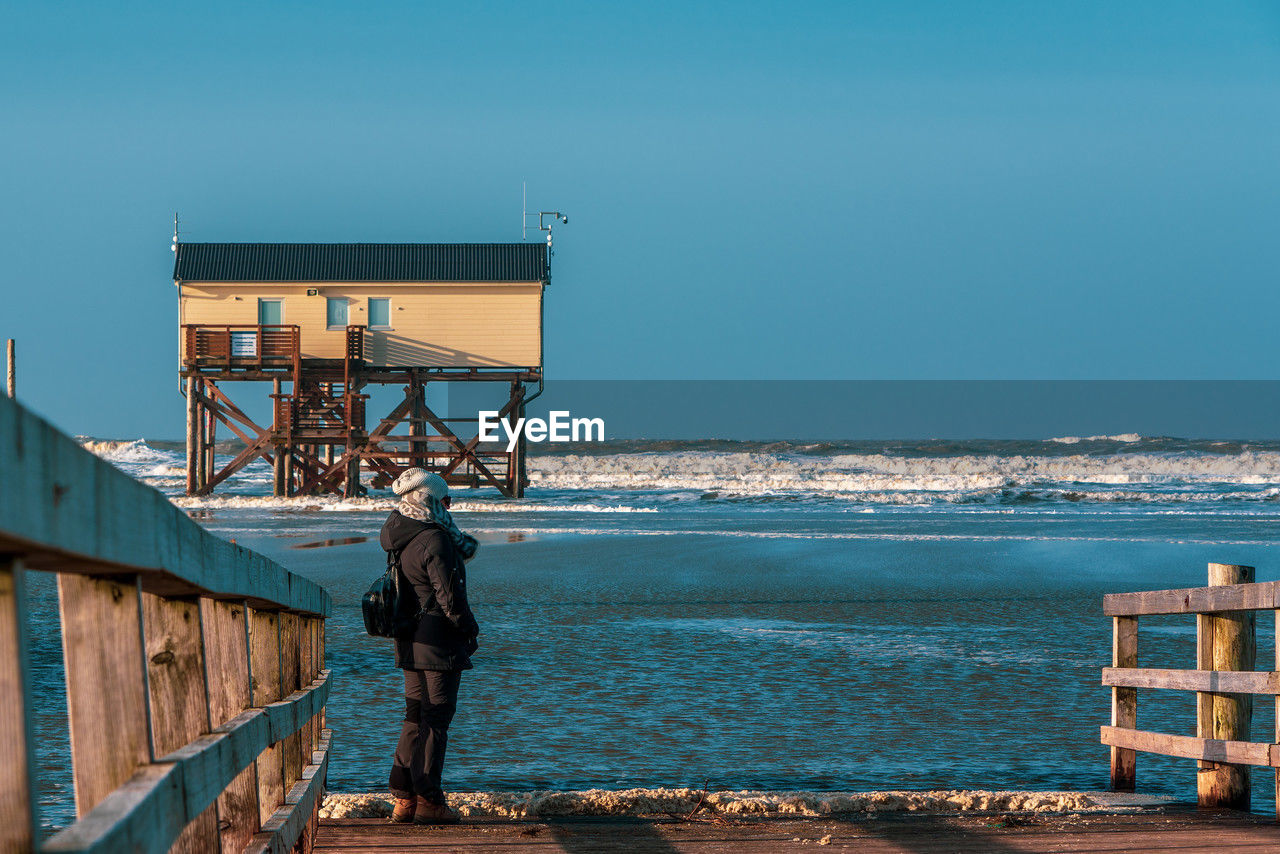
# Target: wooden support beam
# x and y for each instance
(1124, 702)
(192, 434)
(226, 644)
(278, 486)
(18, 819)
(102, 651)
(211, 441)
(177, 700)
(1225, 641)
(201, 473)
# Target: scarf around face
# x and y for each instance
(433, 512)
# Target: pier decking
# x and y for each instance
(1184, 830)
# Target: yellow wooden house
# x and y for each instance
(420, 304)
(323, 321)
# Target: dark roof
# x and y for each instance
(361, 262)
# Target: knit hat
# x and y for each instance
(416, 478)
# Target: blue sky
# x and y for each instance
(844, 190)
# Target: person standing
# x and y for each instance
(436, 649)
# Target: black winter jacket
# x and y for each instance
(437, 578)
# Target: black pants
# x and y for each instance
(430, 699)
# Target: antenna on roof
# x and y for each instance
(174, 247)
(543, 225)
(555, 215)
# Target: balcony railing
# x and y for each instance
(242, 345)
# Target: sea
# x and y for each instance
(857, 615)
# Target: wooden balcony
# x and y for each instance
(241, 346)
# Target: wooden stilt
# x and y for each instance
(210, 440)
(277, 430)
(417, 424)
(192, 436)
(201, 451)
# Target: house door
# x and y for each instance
(270, 312)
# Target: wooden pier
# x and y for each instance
(1176, 831)
(195, 674)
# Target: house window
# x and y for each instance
(270, 312)
(379, 313)
(336, 312)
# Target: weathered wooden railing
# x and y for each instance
(241, 345)
(1224, 681)
(195, 670)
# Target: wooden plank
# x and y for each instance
(17, 795)
(1225, 681)
(306, 744)
(177, 705)
(1193, 600)
(102, 652)
(1124, 702)
(65, 509)
(1229, 644)
(283, 829)
(290, 681)
(1191, 747)
(226, 644)
(264, 666)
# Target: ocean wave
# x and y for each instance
(647, 481)
(1075, 440)
(854, 474)
(385, 504)
(126, 451)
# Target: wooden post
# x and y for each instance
(351, 483)
(201, 457)
(179, 711)
(12, 359)
(277, 430)
(1124, 702)
(417, 424)
(1225, 641)
(17, 797)
(287, 451)
(264, 665)
(210, 439)
(226, 660)
(192, 435)
(106, 690)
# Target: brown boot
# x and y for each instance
(430, 812)
(403, 811)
